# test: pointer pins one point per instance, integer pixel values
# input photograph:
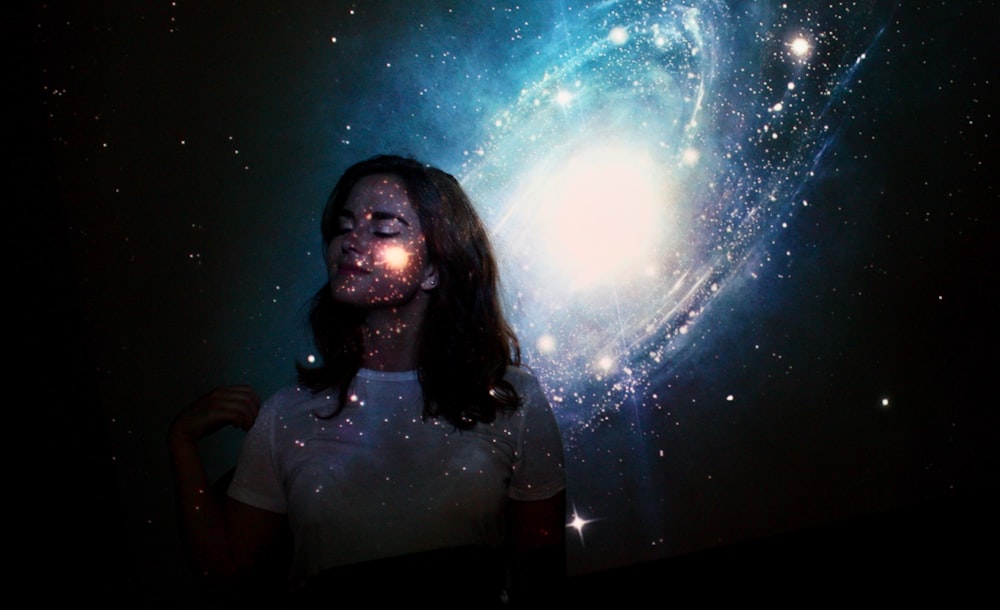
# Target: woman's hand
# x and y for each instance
(227, 405)
(225, 539)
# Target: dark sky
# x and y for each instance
(169, 163)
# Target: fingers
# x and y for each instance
(224, 406)
(236, 405)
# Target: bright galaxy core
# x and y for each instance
(654, 152)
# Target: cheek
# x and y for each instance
(332, 248)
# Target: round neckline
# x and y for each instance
(374, 375)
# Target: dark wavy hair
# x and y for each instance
(465, 344)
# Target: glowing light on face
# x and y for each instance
(601, 218)
(377, 252)
(396, 257)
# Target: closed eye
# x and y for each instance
(386, 232)
(387, 225)
(342, 229)
(344, 224)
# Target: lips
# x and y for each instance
(349, 269)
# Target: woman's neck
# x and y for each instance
(390, 339)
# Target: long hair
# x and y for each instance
(465, 344)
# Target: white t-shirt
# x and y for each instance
(377, 481)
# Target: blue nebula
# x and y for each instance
(653, 154)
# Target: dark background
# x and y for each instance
(896, 297)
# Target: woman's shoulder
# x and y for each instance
(520, 377)
(527, 386)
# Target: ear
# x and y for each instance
(430, 278)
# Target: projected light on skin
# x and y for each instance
(396, 258)
(642, 172)
(377, 253)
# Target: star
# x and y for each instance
(578, 523)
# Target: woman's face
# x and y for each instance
(377, 257)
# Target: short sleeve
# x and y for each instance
(538, 471)
(256, 481)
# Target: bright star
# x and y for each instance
(546, 344)
(800, 47)
(578, 523)
(618, 36)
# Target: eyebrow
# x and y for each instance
(376, 215)
(389, 216)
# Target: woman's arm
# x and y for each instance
(226, 540)
(538, 540)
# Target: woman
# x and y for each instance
(417, 448)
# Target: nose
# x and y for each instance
(349, 242)
(339, 246)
